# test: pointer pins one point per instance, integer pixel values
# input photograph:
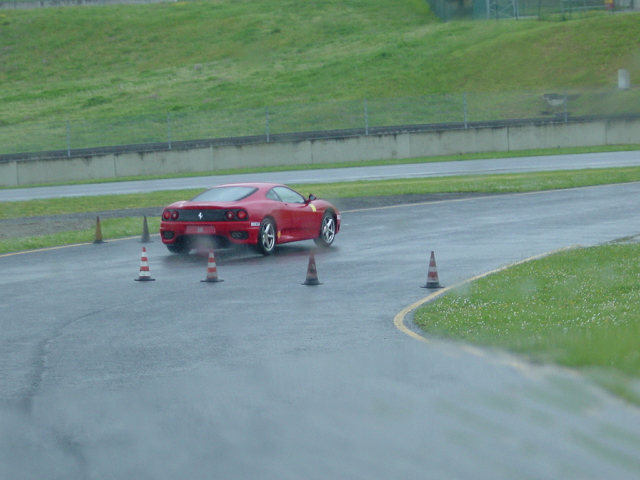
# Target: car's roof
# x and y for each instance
(258, 185)
(251, 184)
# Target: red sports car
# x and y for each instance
(259, 214)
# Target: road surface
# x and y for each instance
(261, 377)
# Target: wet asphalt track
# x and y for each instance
(262, 377)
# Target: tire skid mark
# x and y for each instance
(64, 441)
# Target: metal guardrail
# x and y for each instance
(301, 121)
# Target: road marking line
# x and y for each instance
(60, 247)
(432, 202)
(399, 319)
(480, 197)
(47, 249)
(451, 200)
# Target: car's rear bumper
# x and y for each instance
(235, 232)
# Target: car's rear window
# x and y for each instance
(224, 194)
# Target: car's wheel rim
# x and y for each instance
(268, 237)
(328, 229)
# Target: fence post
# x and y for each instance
(68, 139)
(169, 129)
(366, 117)
(266, 121)
(464, 108)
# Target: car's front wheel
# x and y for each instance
(327, 230)
(267, 237)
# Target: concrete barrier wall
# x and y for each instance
(9, 174)
(321, 151)
(623, 132)
(31, 172)
(447, 142)
(560, 135)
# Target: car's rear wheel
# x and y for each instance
(327, 230)
(267, 237)
(178, 247)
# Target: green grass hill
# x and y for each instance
(78, 63)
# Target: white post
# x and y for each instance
(68, 139)
(266, 116)
(366, 118)
(624, 79)
(169, 129)
(464, 106)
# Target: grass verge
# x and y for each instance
(576, 308)
(501, 183)
(498, 183)
(111, 229)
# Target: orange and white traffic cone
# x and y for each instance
(312, 272)
(145, 274)
(212, 270)
(432, 275)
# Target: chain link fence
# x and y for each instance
(323, 119)
(542, 9)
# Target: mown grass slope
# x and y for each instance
(576, 308)
(109, 61)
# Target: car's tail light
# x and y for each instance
(170, 214)
(236, 215)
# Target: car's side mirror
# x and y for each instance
(312, 197)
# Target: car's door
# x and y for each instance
(299, 217)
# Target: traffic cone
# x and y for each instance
(98, 236)
(145, 231)
(212, 271)
(145, 274)
(432, 275)
(312, 273)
